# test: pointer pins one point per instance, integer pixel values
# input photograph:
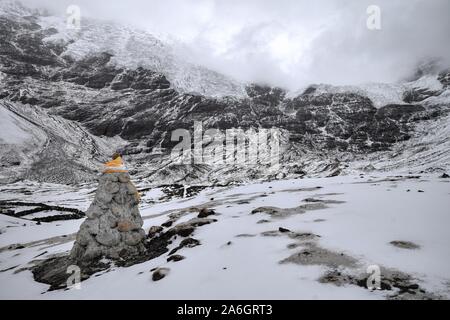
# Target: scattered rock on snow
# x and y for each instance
(154, 230)
(302, 236)
(314, 255)
(328, 201)
(186, 243)
(404, 244)
(204, 212)
(160, 273)
(244, 235)
(286, 212)
(185, 229)
(294, 245)
(401, 285)
(167, 224)
(175, 258)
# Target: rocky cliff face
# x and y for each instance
(142, 107)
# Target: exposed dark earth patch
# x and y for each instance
(53, 271)
(404, 244)
(315, 200)
(301, 189)
(294, 245)
(300, 236)
(315, 255)
(186, 243)
(204, 212)
(7, 208)
(175, 258)
(389, 179)
(49, 242)
(180, 191)
(8, 269)
(286, 212)
(400, 285)
(245, 235)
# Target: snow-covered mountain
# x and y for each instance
(31, 141)
(129, 48)
(362, 178)
(112, 81)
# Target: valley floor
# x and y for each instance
(291, 239)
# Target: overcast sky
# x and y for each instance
(289, 43)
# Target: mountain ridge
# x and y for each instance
(326, 128)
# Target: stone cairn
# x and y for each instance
(113, 228)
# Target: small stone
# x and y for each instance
(84, 237)
(94, 211)
(153, 231)
(167, 223)
(175, 258)
(91, 225)
(116, 209)
(15, 247)
(103, 197)
(108, 238)
(283, 230)
(189, 243)
(109, 177)
(121, 198)
(125, 226)
(131, 189)
(204, 212)
(107, 221)
(160, 273)
(444, 176)
(132, 238)
(420, 190)
(404, 244)
(185, 231)
(111, 187)
(123, 177)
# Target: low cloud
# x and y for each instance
(289, 43)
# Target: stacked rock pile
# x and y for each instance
(113, 228)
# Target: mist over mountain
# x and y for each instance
(289, 43)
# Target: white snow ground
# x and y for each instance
(377, 209)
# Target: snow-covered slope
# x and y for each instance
(345, 224)
(132, 48)
(381, 94)
(39, 146)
